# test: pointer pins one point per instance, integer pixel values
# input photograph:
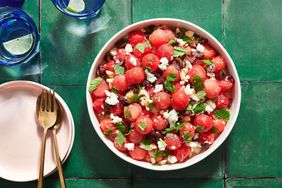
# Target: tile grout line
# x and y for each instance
(40, 57)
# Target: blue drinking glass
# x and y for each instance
(19, 37)
(80, 9)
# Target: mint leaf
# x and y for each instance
(179, 51)
(148, 44)
(142, 125)
(127, 114)
(140, 47)
(107, 132)
(201, 94)
(168, 82)
(199, 128)
(171, 42)
(222, 114)
(207, 61)
(185, 135)
(134, 98)
(146, 142)
(199, 108)
(120, 126)
(198, 83)
(120, 139)
(186, 39)
(179, 125)
(94, 84)
(119, 69)
(147, 68)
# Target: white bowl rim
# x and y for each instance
(234, 108)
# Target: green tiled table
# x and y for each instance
(251, 32)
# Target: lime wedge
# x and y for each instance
(19, 46)
(76, 5)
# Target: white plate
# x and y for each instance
(20, 135)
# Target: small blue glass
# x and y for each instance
(11, 3)
(19, 37)
(92, 8)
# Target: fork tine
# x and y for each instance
(49, 101)
(45, 100)
(54, 102)
(42, 101)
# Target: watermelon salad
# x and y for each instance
(162, 95)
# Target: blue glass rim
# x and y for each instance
(77, 15)
(35, 48)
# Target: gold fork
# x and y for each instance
(47, 116)
(56, 147)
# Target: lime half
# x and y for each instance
(76, 5)
(19, 46)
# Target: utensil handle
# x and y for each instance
(58, 160)
(42, 159)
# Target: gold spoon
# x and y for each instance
(55, 144)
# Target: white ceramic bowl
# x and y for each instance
(214, 43)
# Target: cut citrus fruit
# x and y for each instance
(76, 5)
(20, 45)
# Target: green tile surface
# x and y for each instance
(199, 183)
(253, 183)
(253, 37)
(70, 46)
(251, 32)
(205, 13)
(254, 147)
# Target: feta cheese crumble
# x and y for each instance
(133, 60)
(129, 146)
(195, 147)
(112, 98)
(164, 63)
(161, 144)
(210, 106)
(158, 88)
(145, 100)
(171, 116)
(113, 52)
(180, 42)
(188, 64)
(128, 49)
(115, 119)
(171, 159)
(150, 77)
(188, 90)
(200, 48)
(148, 147)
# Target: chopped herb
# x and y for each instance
(159, 153)
(147, 68)
(207, 62)
(94, 84)
(185, 135)
(120, 126)
(142, 126)
(198, 83)
(148, 44)
(114, 90)
(150, 106)
(119, 69)
(215, 99)
(163, 132)
(197, 36)
(107, 132)
(179, 125)
(171, 42)
(146, 142)
(140, 47)
(120, 139)
(199, 108)
(201, 94)
(214, 130)
(186, 39)
(128, 133)
(199, 128)
(222, 114)
(189, 107)
(127, 114)
(150, 63)
(168, 82)
(179, 51)
(134, 98)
